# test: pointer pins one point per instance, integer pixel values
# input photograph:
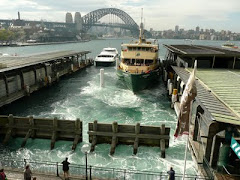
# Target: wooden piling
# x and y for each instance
(32, 123)
(26, 138)
(114, 137)
(10, 129)
(94, 140)
(54, 132)
(77, 133)
(162, 142)
(136, 142)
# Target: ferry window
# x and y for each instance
(105, 56)
(147, 49)
(130, 48)
(139, 62)
(143, 49)
(139, 48)
(126, 61)
(134, 48)
(110, 50)
(132, 61)
(148, 62)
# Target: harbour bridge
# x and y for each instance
(92, 18)
(89, 20)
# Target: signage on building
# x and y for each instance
(235, 147)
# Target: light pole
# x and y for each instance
(85, 149)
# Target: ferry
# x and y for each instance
(230, 45)
(139, 66)
(107, 57)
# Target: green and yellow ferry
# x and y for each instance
(139, 66)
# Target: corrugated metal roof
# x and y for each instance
(225, 85)
(199, 50)
(13, 62)
(218, 92)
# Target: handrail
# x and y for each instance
(93, 170)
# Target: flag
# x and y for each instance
(189, 93)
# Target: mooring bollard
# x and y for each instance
(101, 77)
(117, 63)
(170, 89)
(174, 97)
(25, 162)
(168, 83)
(57, 170)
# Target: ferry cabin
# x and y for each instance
(139, 58)
(215, 115)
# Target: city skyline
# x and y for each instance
(159, 14)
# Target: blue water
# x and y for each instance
(79, 96)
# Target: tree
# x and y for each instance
(6, 35)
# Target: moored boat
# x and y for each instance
(139, 66)
(230, 45)
(107, 57)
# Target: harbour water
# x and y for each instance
(79, 96)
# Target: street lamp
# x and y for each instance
(86, 149)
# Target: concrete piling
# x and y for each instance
(101, 78)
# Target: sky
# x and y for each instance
(158, 14)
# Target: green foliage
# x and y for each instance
(6, 35)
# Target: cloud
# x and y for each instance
(159, 14)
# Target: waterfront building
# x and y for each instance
(176, 29)
(197, 30)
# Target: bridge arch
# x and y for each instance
(92, 18)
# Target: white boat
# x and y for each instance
(107, 57)
(230, 45)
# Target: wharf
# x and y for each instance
(216, 109)
(20, 76)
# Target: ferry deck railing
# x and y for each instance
(93, 172)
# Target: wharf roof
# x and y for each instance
(15, 62)
(199, 50)
(217, 90)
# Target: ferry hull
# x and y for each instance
(104, 63)
(137, 82)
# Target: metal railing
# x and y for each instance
(55, 169)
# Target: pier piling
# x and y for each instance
(53, 129)
(135, 135)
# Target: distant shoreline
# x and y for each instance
(37, 44)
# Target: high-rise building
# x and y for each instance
(176, 28)
(78, 21)
(69, 18)
(19, 15)
(197, 29)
